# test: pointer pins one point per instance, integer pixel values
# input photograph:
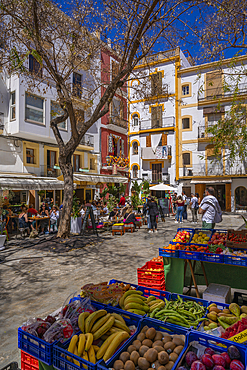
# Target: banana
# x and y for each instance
(104, 346)
(137, 312)
(129, 292)
(122, 326)
(91, 355)
(105, 336)
(76, 353)
(81, 320)
(72, 345)
(114, 330)
(81, 344)
(158, 305)
(121, 301)
(137, 307)
(92, 318)
(151, 298)
(118, 317)
(96, 348)
(133, 299)
(100, 323)
(104, 329)
(117, 340)
(85, 357)
(151, 303)
(89, 341)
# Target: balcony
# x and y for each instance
(203, 135)
(212, 169)
(48, 171)
(166, 122)
(148, 153)
(219, 93)
(81, 97)
(162, 92)
(237, 168)
(87, 140)
(121, 163)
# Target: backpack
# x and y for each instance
(196, 205)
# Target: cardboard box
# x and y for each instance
(218, 293)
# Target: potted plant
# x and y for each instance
(76, 219)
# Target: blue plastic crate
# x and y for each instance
(113, 281)
(35, 347)
(151, 324)
(60, 352)
(165, 252)
(161, 294)
(235, 260)
(191, 231)
(202, 302)
(212, 257)
(190, 255)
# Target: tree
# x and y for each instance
(61, 44)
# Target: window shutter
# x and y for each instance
(148, 141)
(110, 144)
(153, 116)
(153, 83)
(114, 69)
(159, 83)
(122, 146)
(214, 83)
(164, 139)
(121, 109)
(159, 116)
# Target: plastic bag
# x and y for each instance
(61, 330)
(104, 293)
(38, 327)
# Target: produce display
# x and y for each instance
(101, 334)
(183, 313)
(237, 236)
(135, 302)
(236, 328)
(182, 236)
(200, 238)
(151, 350)
(212, 359)
(218, 239)
(157, 259)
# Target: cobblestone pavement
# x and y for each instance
(36, 276)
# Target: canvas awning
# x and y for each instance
(162, 187)
(100, 178)
(216, 181)
(30, 183)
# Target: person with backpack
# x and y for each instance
(194, 208)
(210, 210)
(186, 203)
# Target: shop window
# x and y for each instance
(56, 110)
(77, 84)
(241, 198)
(135, 171)
(135, 147)
(186, 90)
(34, 109)
(186, 123)
(34, 66)
(88, 195)
(186, 159)
(30, 158)
(76, 162)
(135, 120)
(12, 106)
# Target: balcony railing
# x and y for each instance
(87, 140)
(165, 122)
(148, 153)
(202, 134)
(149, 93)
(48, 171)
(212, 169)
(116, 120)
(237, 168)
(218, 93)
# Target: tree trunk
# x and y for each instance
(67, 171)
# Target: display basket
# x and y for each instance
(208, 232)
(209, 342)
(190, 255)
(60, 352)
(166, 252)
(202, 302)
(234, 244)
(191, 231)
(212, 257)
(113, 281)
(35, 346)
(147, 272)
(11, 366)
(224, 231)
(28, 362)
(161, 294)
(152, 285)
(152, 324)
(235, 260)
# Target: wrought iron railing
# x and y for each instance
(202, 134)
(87, 140)
(220, 92)
(164, 122)
(118, 121)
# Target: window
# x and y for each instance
(92, 164)
(12, 105)
(76, 162)
(213, 118)
(30, 159)
(114, 69)
(34, 66)
(135, 171)
(77, 84)
(186, 123)
(34, 110)
(241, 198)
(56, 110)
(156, 83)
(135, 147)
(51, 161)
(186, 90)
(186, 159)
(156, 116)
(156, 172)
(214, 83)
(148, 141)
(135, 119)
(117, 108)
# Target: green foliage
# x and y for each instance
(111, 202)
(135, 187)
(135, 201)
(110, 189)
(75, 207)
(145, 188)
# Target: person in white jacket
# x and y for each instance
(210, 210)
(54, 216)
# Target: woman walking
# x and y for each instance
(153, 212)
(180, 209)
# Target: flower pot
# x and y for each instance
(75, 225)
(2, 241)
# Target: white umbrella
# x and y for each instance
(162, 187)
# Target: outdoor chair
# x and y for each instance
(118, 228)
(130, 227)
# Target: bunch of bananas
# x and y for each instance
(110, 327)
(133, 301)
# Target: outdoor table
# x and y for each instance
(40, 219)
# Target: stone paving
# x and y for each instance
(37, 276)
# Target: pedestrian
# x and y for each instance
(44, 223)
(122, 201)
(146, 212)
(174, 199)
(184, 197)
(210, 210)
(54, 216)
(194, 208)
(180, 209)
(153, 212)
(198, 197)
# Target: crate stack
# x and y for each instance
(152, 275)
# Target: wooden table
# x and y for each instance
(40, 219)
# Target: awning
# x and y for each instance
(162, 187)
(223, 181)
(30, 183)
(100, 178)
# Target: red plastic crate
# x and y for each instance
(160, 286)
(147, 272)
(28, 362)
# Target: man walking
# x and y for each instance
(210, 210)
(184, 197)
(194, 208)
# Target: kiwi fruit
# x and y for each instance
(156, 364)
(161, 368)
(125, 356)
(178, 341)
(173, 357)
(163, 357)
(158, 336)
(151, 355)
(178, 350)
(129, 365)
(170, 365)
(170, 345)
(159, 348)
(150, 333)
(118, 365)
(137, 344)
(141, 337)
(166, 339)
(131, 348)
(134, 357)
(147, 342)
(144, 329)
(157, 343)
(143, 363)
(143, 350)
